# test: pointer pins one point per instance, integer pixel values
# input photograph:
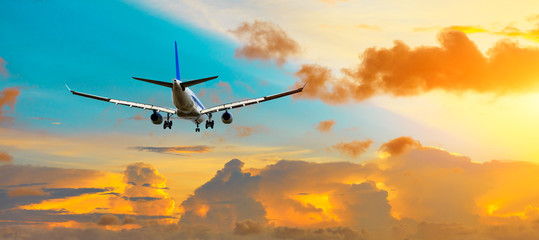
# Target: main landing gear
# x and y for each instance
(168, 122)
(209, 122)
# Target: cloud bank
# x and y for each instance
(457, 65)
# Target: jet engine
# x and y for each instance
(156, 118)
(226, 118)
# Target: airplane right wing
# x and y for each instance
(249, 101)
(125, 103)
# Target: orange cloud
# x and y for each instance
(265, 41)
(325, 126)
(3, 70)
(399, 146)
(245, 131)
(5, 157)
(354, 148)
(8, 97)
(456, 66)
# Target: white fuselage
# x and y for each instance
(187, 103)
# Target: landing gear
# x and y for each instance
(209, 122)
(197, 129)
(168, 122)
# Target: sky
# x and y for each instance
(418, 120)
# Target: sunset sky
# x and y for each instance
(419, 120)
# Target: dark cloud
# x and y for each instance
(23, 196)
(325, 126)
(180, 150)
(354, 148)
(8, 97)
(108, 219)
(457, 65)
(265, 41)
(227, 198)
(26, 185)
(248, 227)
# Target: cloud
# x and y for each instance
(248, 227)
(354, 148)
(399, 145)
(367, 27)
(246, 131)
(5, 157)
(325, 126)
(108, 219)
(507, 31)
(420, 193)
(137, 117)
(457, 65)
(8, 97)
(180, 150)
(111, 219)
(225, 199)
(3, 70)
(265, 41)
(146, 195)
(26, 192)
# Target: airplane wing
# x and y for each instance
(249, 101)
(126, 103)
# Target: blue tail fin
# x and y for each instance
(177, 63)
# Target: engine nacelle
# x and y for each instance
(226, 118)
(156, 118)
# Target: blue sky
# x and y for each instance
(96, 47)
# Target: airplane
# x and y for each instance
(187, 105)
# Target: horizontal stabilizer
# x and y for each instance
(197, 81)
(164, 84)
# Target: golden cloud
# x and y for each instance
(455, 66)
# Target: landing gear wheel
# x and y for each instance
(212, 123)
(207, 124)
(167, 124)
(197, 130)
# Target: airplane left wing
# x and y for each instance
(125, 103)
(249, 101)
